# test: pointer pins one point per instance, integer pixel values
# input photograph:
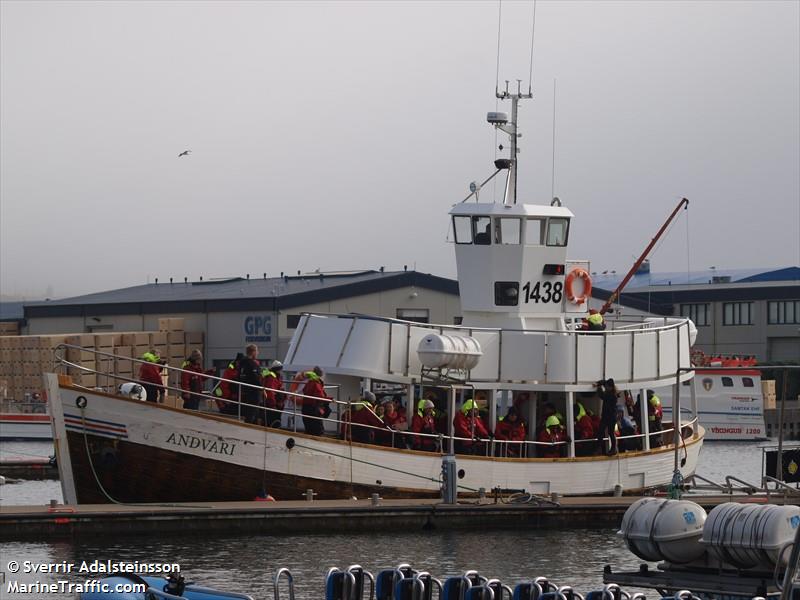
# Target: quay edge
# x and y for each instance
(322, 516)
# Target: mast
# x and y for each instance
(684, 203)
(500, 121)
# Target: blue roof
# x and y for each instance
(610, 281)
(11, 311)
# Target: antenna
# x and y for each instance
(501, 122)
(553, 171)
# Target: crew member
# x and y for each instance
(469, 426)
(192, 379)
(607, 392)
(252, 393)
(275, 399)
(150, 377)
(595, 321)
(318, 405)
(424, 423)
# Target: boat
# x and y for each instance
(522, 342)
(25, 420)
(729, 398)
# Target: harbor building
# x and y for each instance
(737, 311)
(236, 311)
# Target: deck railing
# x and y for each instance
(380, 347)
(339, 425)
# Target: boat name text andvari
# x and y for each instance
(191, 441)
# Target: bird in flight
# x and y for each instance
(185, 153)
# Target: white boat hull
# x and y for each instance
(130, 442)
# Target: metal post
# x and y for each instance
(410, 405)
(451, 408)
(571, 423)
(644, 418)
(676, 422)
(695, 410)
(491, 398)
(784, 391)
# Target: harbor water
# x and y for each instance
(247, 563)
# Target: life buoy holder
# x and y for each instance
(582, 274)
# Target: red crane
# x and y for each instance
(684, 203)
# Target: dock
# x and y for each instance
(321, 516)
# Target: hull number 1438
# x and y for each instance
(543, 292)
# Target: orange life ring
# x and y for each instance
(578, 273)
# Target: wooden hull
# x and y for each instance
(136, 451)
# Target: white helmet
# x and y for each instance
(276, 364)
(133, 390)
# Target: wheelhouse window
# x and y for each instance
(462, 229)
(482, 230)
(737, 313)
(747, 382)
(557, 231)
(727, 382)
(507, 231)
(534, 232)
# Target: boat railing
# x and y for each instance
(638, 353)
(342, 423)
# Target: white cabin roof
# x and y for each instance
(499, 209)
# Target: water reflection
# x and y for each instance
(248, 563)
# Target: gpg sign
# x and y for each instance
(258, 328)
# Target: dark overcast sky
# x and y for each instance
(337, 135)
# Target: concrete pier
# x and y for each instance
(324, 516)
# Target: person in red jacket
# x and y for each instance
(319, 405)
(365, 421)
(227, 392)
(150, 376)
(469, 426)
(192, 379)
(511, 429)
(424, 422)
(274, 400)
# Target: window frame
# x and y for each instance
(498, 231)
(475, 232)
(735, 319)
(748, 382)
(413, 319)
(566, 232)
(727, 382)
(780, 308)
(693, 310)
(542, 230)
(469, 228)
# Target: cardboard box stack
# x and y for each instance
(9, 328)
(768, 391)
(23, 359)
(106, 358)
